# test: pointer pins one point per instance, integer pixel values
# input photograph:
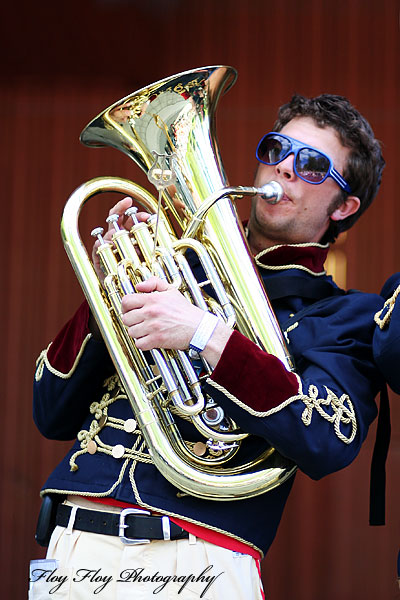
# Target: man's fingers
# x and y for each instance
(119, 209)
(124, 221)
(153, 284)
(134, 301)
(121, 206)
(142, 216)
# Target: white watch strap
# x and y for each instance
(203, 332)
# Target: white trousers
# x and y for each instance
(81, 565)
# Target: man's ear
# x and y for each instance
(347, 208)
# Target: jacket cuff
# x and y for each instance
(255, 377)
(64, 350)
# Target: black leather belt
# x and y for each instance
(131, 525)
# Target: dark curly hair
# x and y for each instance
(365, 162)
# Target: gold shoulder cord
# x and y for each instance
(389, 304)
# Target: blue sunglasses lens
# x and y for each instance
(311, 165)
(273, 149)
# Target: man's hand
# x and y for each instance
(159, 316)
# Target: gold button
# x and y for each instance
(130, 425)
(92, 447)
(118, 451)
(199, 448)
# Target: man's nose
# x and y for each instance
(285, 168)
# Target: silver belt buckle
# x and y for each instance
(123, 525)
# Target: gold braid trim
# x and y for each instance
(101, 420)
(250, 410)
(284, 267)
(290, 266)
(389, 304)
(342, 411)
(129, 453)
(301, 245)
(342, 408)
(285, 333)
(43, 361)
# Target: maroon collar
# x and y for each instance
(308, 256)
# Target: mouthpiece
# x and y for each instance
(272, 192)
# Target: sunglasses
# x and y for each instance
(310, 164)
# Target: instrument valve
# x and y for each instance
(98, 233)
(131, 212)
(114, 220)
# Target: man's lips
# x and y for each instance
(284, 198)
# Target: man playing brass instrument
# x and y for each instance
(324, 155)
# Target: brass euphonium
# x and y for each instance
(167, 128)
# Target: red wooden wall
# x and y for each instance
(65, 61)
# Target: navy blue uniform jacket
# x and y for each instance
(317, 417)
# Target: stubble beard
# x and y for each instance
(265, 232)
